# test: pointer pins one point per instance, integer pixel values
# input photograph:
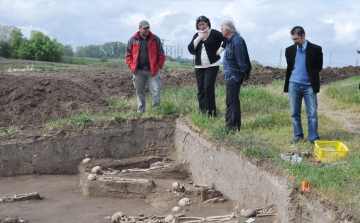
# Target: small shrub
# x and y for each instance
(14, 128)
(103, 59)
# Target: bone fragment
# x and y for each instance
(169, 218)
(21, 197)
(204, 186)
(215, 200)
(86, 160)
(176, 208)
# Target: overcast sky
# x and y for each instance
(264, 24)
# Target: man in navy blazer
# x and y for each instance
(304, 63)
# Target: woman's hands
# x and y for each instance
(203, 35)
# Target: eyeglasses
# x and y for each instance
(201, 18)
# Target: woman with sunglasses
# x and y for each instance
(206, 45)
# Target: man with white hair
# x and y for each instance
(237, 67)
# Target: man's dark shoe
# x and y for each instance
(296, 140)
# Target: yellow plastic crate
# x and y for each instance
(329, 150)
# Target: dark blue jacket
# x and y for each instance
(237, 58)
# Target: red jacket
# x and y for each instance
(156, 53)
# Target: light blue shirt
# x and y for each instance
(304, 46)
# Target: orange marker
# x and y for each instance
(305, 186)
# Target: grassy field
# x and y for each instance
(170, 65)
(84, 63)
(28, 66)
(345, 94)
(87, 61)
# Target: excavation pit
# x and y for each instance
(140, 160)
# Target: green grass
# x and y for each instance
(11, 129)
(31, 66)
(59, 122)
(14, 128)
(278, 84)
(82, 61)
(345, 94)
(120, 65)
(88, 61)
(169, 65)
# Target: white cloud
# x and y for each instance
(280, 33)
(264, 24)
(345, 32)
(27, 29)
(132, 20)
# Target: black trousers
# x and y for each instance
(206, 78)
(233, 112)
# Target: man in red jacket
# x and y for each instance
(145, 57)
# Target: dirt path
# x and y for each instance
(350, 120)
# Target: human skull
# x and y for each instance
(116, 217)
(86, 160)
(96, 170)
(185, 201)
(91, 177)
(176, 186)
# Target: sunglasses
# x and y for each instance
(201, 18)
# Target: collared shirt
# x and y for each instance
(304, 45)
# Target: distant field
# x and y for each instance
(86, 60)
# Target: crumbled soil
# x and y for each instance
(35, 97)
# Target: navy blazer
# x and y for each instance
(314, 64)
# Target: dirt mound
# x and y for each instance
(35, 97)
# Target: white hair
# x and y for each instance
(230, 26)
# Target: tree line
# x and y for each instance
(111, 50)
(40, 47)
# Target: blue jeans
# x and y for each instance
(296, 93)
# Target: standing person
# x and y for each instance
(237, 67)
(206, 46)
(145, 57)
(304, 62)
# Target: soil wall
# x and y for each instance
(251, 184)
(61, 150)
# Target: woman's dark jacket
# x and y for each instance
(212, 44)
